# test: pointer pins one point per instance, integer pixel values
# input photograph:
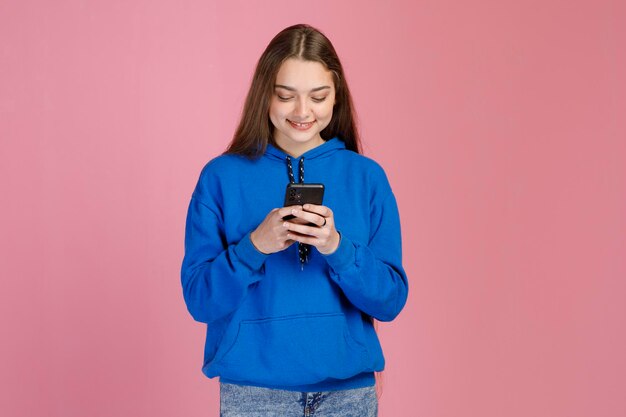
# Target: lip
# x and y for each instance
(301, 126)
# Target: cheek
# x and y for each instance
(275, 113)
(278, 110)
(326, 112)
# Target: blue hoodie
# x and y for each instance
(271, 323)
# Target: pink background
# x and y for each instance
(501, 125)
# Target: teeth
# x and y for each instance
(301, 124)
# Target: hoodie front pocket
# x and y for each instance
(294, 350)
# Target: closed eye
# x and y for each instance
(318, 99)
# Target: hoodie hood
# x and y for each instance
(324, 150)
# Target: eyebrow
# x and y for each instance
(285, 87)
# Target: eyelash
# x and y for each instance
(315, 99)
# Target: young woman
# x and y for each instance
(290, 304)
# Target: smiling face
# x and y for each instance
(301, 105)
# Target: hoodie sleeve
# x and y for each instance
(215, 276)
(371, 276)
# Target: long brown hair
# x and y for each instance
(304, 42)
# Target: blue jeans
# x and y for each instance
(246, 401)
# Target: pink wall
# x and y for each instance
(500, 123)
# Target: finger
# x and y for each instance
(286, 211)
(303, 229)
(309, 217)
(321, 210)
(309, 240)
(288, 243)
(293, 219)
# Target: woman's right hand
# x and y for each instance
(271, 235)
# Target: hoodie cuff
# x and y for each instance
(248, 254)
(343, 257)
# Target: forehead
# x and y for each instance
(304, 75)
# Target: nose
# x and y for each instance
(301, 110)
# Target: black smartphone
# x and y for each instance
(299, 194)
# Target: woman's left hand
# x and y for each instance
(323, 235)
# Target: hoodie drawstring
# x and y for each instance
(303, 249)
(300, 170)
